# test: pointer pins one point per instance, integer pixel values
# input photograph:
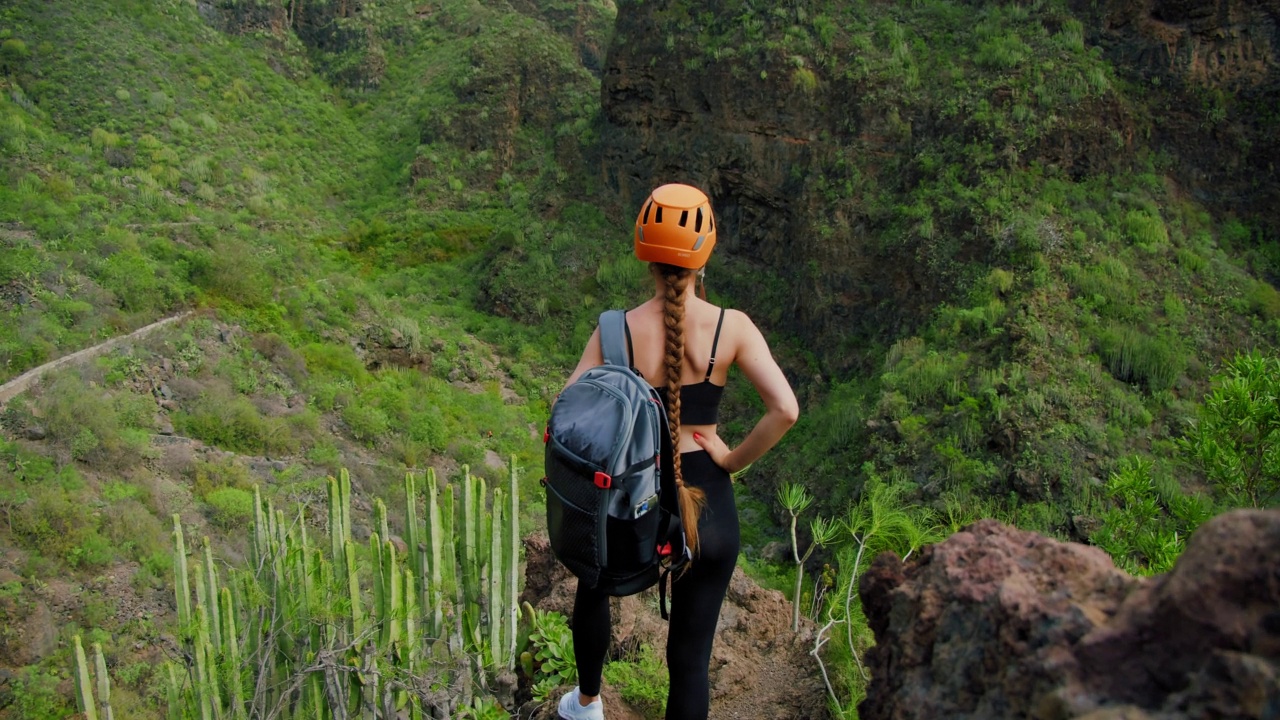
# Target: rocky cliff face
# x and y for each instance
(997, 623)
(1212, 71)
(805, 153)
(745, 132)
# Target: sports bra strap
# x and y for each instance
(711, 364)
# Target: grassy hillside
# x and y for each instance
(154, 164)
(395, 234)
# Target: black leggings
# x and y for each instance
(696, 597)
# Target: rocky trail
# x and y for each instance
(24, 381)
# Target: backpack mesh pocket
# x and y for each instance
(574, 538)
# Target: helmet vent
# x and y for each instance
(658, 216)
(697, 221)
(647, 208)
(684, 218)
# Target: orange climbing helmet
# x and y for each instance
(675, 226)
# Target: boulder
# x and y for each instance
(996, 622)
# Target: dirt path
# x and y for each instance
(24, 381)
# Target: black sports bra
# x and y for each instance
(700, 402)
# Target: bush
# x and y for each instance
(13, 53)
(210, 476)
(642, 681)
(1147, 231)
(1133, 356)
(336, 361)
(367, 423)
(1264, 300)
(92, 424)
(1236, 442)
(231, 422)
(59, 524)
(804, 80)
(231, 507)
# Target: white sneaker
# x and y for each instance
(572, 709)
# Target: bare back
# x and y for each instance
(740, 343)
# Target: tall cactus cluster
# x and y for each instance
(413, 628)
(91, 708)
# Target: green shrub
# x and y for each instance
(13, 53)
(230, 507)
(1133, 356)
(208, 476)
(804, 80)
(368, 423)
(641, 680)
(230, 422)
(134, 529)
(93, 551)
(923, 375)
(1002, 52)
(160, 103)
(1147, 231)
(59, 524)
(91, 423)
(1264, 300)
(1236, 441)
(335, 361)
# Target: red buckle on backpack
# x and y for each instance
(664, 550)
(546, 434)
(604, 482)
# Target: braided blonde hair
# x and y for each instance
(691, 499)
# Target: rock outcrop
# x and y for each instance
(996, 622)
(1211, 72)
(759, 667)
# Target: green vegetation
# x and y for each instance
(395, 231)
(1236, 442)
(308, 628)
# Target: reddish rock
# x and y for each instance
(997, 622)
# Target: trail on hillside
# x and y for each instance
(24, 381)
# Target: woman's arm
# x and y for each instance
(781, 408)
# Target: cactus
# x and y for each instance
(356, 616)
(497, 598)
(380, 518)
(469, 533)
(104, 683)
(260, 538)
(84, 686)
(412, 530)
(231, 653)
(513, 563)
(253, 634)
(173, 694)
(205, 676)
(181, 589)
(211, 579)
(435, 529)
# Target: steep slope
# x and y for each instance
(994, 242)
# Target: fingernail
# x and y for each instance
(696, 436)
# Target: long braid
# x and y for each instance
(691, 499)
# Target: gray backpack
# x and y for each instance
(611, 510)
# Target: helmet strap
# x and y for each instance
(702, 282)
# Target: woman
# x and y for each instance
(684, 347)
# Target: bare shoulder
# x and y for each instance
(742, 333)
(740, 324)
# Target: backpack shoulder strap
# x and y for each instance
(615, 338)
